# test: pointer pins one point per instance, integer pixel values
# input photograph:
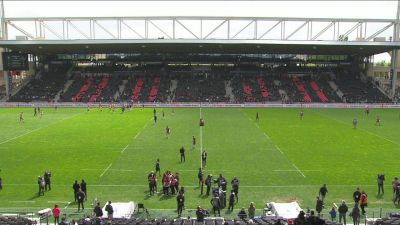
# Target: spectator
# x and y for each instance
(332, 213)
(242, 214)
(252, 210)
(200, 214)
(363, 201)
(342, 212)
(98, 212)
(355, 214)
(109, 209)
(56, 214)
(216, 205)
(301, 219)
(64, 222)
(319, 205)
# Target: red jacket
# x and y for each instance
(56, 212)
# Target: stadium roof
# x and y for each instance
(200, 46)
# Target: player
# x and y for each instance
(182, 153)
(100, 107)
(41, 114)
(55, 107)
(154, 112)
(378, 120)
(201, 122)
(88, 108)
(34, 112)
(21, 117)
(204, 158)
(257, 117)
(193, 142)
(355, 122)
(173, 111)
(163, 114)
(158, 167)
(167, 132)
(301, 115)
(366, 111)
(155, 118)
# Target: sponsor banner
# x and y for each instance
(196, 104)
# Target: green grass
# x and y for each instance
(279, 158)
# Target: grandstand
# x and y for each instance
(316, 66)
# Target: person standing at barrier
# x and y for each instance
(216, 205)
(363, 201)
(98, 212)
(81, 198)
(343, 209)
(109, 209)
(56, 214)
(252, 210)
(355, 214)
(319, 205)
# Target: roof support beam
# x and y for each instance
(216, 28)
(323, 30)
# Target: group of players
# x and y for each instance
(366, 112)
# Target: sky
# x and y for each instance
(315, 9)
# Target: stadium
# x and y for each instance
(199, 120)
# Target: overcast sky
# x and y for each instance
(343, 9)
(317, 9)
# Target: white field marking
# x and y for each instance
(119, 170)
(193, 186)
(124, 149)
(23, 201)
(203, 170)
(142, 129)
(106, 170)
(276, 146)
(340, 121)
(39, 128)
(67, 205)
(201, 142)
(299, 170)
(279, 149)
